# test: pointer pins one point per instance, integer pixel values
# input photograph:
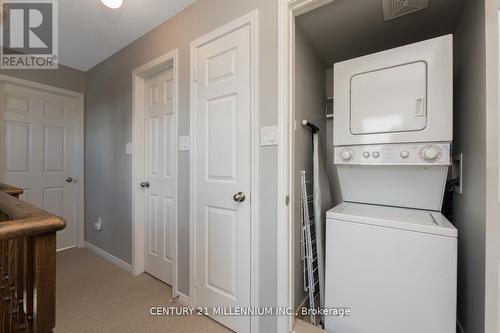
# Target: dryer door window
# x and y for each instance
(389, 100)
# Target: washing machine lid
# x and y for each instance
(430, 222)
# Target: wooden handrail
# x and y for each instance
(14, 191)
(29, 227)
(27, 264)
(18, 209)
(25, 219)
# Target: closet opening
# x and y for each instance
(340, 31)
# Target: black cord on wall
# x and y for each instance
(448, 199)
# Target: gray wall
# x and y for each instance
(63, 77)
(310, 105)
(313, 84)
(333, 177)
(108, 122)
(470, 139)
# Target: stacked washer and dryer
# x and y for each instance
(391, 256)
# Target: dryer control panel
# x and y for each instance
(395, 154)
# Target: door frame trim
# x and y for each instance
(250, 19)
(288, 10)
(492, 228)
(139, 75)
(79, 149)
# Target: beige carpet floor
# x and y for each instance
(95, 296)
(301, 326)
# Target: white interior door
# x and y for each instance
(222, 165)
(160, 198)
(38, 149)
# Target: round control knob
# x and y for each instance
(376, 154)
(346, 154)
(366, 154)
(405, 154)
(431, 153)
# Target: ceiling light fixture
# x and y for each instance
(115, 4)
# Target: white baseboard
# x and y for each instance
(65, 248)
(111, 258)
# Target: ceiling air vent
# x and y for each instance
(397, 8)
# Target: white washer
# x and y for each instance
(395, 268)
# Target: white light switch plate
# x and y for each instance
(184, 143)
(129, 148)
(269, 136)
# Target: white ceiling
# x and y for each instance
(345, 29)
(89, 32)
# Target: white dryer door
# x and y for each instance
(389, 100)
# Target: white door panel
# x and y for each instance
(160, 173)
(222, 169)
(38, 131)
(17, 146)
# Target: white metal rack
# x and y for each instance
(309, 249)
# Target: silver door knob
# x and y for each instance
(145, 184)
(239, 197)
(69, 180)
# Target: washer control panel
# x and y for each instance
(395, 154)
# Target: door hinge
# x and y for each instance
(287, 200)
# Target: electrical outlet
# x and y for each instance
(98, 224)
